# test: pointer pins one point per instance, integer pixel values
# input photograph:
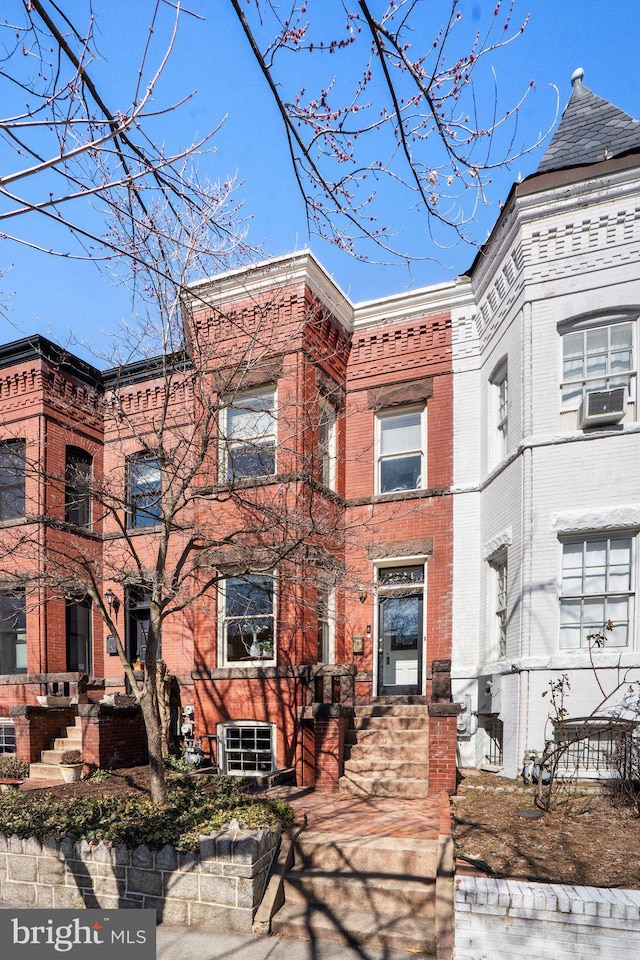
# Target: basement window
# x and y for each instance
(246, 748)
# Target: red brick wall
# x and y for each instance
(442, 754)
(36, 727)
(329, 751)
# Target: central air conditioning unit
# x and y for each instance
(603, 406)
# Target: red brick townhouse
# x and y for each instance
(284, 485)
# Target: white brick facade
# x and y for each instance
(564, 252)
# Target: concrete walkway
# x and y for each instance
(193, 943)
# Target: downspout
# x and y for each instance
(41, 508)
(522, 738)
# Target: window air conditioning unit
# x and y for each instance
(602, 406)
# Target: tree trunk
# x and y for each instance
(163, 687)
(151, 716)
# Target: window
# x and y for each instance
(79, 636)
(246, 747)
(327, 446)
(12, 474)
(596, 591)
(248, 623)
(138, 616)
(500, 402)
(326, 623)
(493, 741)
(13, 633)
(400, 451)
(7, 735)
(145, 492)
(597, 358)
(251, 436)
(77, 487)
(498, 626)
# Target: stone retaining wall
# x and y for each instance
(220, 887)
(503, 919)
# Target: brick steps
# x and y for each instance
(48, 768)
(387, 749)
(375, 893)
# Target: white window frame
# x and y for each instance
(327, 447)
(248, 725)
(7, 736)
(499, 604)
(499, 414)
(249, 661)
(608, 380)
(380, 458)
(606, 595)
(326, 623)
(268, 437)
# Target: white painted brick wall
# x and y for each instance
(503, 919)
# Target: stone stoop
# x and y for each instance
(373, 892)
(387, 747)
(48, 767)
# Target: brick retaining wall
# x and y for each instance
(503, 919)
(220, 887)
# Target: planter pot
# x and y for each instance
(71, 772)
(54, 701)
(9, 783)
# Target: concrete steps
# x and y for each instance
(376, 893)
(49, 766)
(387, 751)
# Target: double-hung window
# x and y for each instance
(251, 436)
(144, 483)
(79, 636)
(12, 477)
(248, 618)
(401, 460)
(597, 358)
(499, 413)
(77, 487)
(326, 622)
(498, 625)
(327, 446)
(597, 591)
(13, 633)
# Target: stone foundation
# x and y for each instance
(219, 887)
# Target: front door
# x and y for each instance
(400, 630)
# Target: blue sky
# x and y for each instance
(54, 296)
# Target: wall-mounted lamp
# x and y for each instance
(362, 595)
(112, 601)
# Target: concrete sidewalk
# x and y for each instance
(198, 943)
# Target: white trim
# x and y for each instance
(392, 562)
(623, 517)
(221, 611)
(221, 729)
(497, 544)
(386, 414)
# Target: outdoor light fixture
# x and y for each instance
(112, 601)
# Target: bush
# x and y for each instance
(70, 757)
(13, 768)
(193, 808)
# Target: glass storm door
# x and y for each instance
(400, 631)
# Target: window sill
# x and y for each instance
(400, 495)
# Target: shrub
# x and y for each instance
(70, 757)
(192, 808)
(13, 768)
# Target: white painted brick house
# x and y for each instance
(547, 515)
